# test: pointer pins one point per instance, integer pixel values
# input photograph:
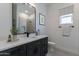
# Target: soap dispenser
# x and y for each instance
(38, 32)
(9, 38)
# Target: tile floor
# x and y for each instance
(57, 52)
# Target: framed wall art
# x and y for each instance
(41, 19)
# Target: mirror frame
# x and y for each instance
(14, 17)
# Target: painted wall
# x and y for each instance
(41, 8)
(5, 20)
(55, 34)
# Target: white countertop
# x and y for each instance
(4, 45)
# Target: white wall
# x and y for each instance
(5, 20)
(41, 8)
(55, 34)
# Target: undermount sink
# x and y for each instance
(34, 37)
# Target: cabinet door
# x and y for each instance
(44, 46)
(22, 50)
(33, 49)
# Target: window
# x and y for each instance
(66, 19)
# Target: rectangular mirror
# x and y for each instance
(23, 18)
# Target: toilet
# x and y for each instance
(51, 46)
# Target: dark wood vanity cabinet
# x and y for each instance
(34, 48)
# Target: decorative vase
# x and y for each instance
(14, 37)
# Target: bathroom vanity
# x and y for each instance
(32, 46)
